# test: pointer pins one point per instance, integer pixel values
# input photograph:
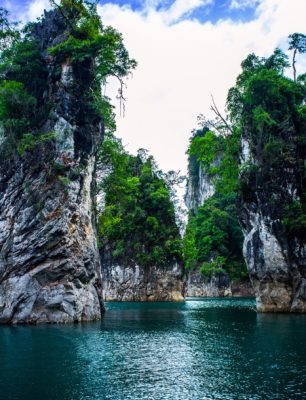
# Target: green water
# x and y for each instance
(203, 349)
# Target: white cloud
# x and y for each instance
(36, 9)
(181, 64)
(26, 13)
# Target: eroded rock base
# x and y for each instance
(135, 283)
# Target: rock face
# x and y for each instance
(276, 260)
(217, 286)
(200, 189)
(134, 283)
(49, 262)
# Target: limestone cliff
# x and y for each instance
(268, 109)
(139, 239)
(49, 262)
(199, 188)
(276, 258)
(136, 283)
(214, 281)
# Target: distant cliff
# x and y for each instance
(200, 187)
(139, 238)
(52, 127)
(213, 238)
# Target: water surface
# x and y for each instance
(201, 349)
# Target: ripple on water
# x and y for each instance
(200, 349)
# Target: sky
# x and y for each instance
(187, 50)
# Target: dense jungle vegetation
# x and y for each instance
(137, 223)
(213, 238)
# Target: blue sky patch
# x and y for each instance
(221, 10)
(217, 10)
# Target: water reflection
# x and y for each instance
(201, 349)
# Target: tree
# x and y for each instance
(269, 110)
(213, 238)
(8, 32)
(297, 43)
(24, 71)
(137, 224)
(89, 38)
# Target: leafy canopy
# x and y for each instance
(213, 238)
(269, 108)
(137, 222)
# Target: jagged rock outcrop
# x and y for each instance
(136, 283)
(49, 262)
(276, 259)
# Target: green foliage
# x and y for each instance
(218, 156)
(190, 250)
(22, 82)
(295, 219)
(262, 95)
(96, 52)
(16, 115)
(88, 39)
(29, 141)
(213, 238)
(137, 224)
(297, 41)
(103, 107)
(213, 267)
(270, 109)
(64, 180)
(22, 62)
(8, 31)
(213, 235)
(207, 148)
(247, 180)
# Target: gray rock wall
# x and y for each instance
(135, 283)
(217, 286)
(205, 188)
(49, 262)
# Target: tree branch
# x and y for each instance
(215, 109)
(120, 96)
